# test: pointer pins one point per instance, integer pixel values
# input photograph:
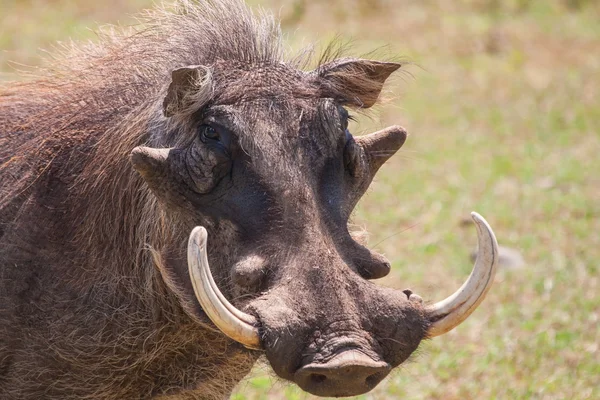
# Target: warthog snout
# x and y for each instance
(348, 374)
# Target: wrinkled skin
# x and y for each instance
(106, 166)
(286, 174)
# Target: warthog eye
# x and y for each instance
(208, 132)
(344, 117)
(351, 155)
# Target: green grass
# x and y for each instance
(503, 108)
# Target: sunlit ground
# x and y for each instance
(503, 106)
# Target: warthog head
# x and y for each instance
(260, 156)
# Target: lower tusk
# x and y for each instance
(232, 322)
(449, 313)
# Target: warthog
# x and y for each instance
(197, 123)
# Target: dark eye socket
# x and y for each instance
(208, 132)
(344, 117)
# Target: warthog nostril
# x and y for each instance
(349, 373)
(318, 378)
(373, 380)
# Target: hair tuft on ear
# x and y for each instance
(191, 87)
(355, 82)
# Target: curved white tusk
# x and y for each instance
(449, 313)
(232, 322)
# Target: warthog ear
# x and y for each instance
(179, 176)
(190, 89)
(150, 163)
(354, 82)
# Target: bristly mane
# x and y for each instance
(66, 136)
(98, 101)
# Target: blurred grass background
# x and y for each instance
(503, 107)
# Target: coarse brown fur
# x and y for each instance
(89, 309)
(64, 157)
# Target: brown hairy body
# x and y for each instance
(84, 311)
(196, 122)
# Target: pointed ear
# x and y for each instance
(166, 172)
(190, 88)
(158, 168)
(150, 163)
(355, 82)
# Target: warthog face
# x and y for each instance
(261, 156)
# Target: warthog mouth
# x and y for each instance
(321, 378)
(330, 378)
